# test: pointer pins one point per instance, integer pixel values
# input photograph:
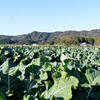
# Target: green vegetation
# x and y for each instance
(7, 41)
(66, 38)
(76, 40)
(49, 73)
(20, 42)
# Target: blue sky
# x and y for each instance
(25, 16)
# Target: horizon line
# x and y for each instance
(52, 31)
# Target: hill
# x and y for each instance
(36, 36)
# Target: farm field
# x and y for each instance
(49, 73)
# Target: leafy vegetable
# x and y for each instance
(49, 73)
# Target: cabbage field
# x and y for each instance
(49, 73)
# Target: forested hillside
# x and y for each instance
(92, 37)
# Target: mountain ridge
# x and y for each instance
(36, 36)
